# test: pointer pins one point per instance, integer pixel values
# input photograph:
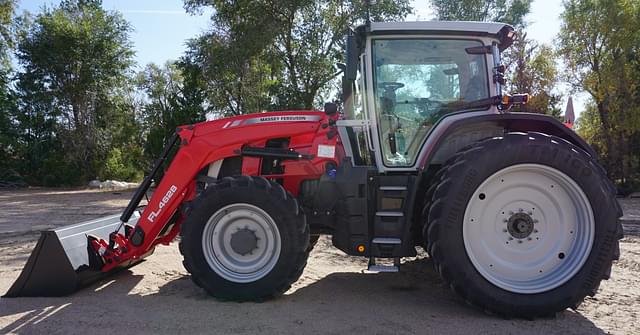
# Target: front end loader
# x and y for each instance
(513, 209)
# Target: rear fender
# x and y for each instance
(457, 131)
(467, 130)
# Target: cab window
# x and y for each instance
(416, 82)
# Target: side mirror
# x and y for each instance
(330, 108)
(352, 58)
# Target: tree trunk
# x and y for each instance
(610, 159)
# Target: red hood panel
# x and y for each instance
(270, 118)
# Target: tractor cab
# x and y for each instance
(404, 84)
(402, 78)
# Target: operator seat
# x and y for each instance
(475, 89)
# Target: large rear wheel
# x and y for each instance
(524, 225)
(245, 239)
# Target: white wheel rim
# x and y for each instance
(221, 253)
(528, 228)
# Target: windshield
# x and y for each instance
(416, 82)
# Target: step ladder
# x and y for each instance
(375, 267)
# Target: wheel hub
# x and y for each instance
(244, 241)
(520, 225)
(241, 242)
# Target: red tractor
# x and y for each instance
(513, 209)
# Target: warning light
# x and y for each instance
(360, 248)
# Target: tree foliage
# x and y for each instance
(507, 11)
(603, 59)
(76, 59)
(7, 31)
(533, 70)
(169, 100)
(7, 99)
(287, 63)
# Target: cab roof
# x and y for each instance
(502, 31)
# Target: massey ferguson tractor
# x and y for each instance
(514, 211)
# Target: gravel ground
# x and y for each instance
(332, 297)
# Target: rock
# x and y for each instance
(112, 185)
(95, 184)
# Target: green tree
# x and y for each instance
(76, 59)
(602, 59)
(7, 98)
(170, 99)
(289, 61)
(533, 70)
(238, 82)
(121, 138)
(311, 43)
(7, 31)
(507, 11)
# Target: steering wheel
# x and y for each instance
(391, 85)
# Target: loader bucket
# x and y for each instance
(59, 264)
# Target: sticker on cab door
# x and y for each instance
(326, 151)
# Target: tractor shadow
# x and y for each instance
(36, 315)
(412, 301)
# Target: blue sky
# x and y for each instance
(162, 27)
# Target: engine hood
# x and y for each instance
(265, 119)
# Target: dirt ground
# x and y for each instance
(333, 296)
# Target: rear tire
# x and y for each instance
(245, 238)
(579, 214)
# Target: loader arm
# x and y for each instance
(287, 147)
(205, 143)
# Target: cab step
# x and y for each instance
(374, 267)
(388, 242)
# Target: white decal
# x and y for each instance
(172, 190)
(326, 151)
(283, 118)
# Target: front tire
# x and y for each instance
(245, 239)
(523, 225)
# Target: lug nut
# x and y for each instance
(519, 241)
(535, 230)
(520, 210)
(504, 230)
(505, 220)
(528, 238)
(510, 238)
